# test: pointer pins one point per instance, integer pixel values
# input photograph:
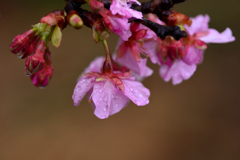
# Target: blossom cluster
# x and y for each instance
(169, 39)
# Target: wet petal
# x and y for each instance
(82, 87)
(178, 72)
(107, 99)
(136, 92)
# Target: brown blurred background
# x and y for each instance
(198, 119)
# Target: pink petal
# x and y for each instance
(135, 50)
(215, 37)
(140, 34)
(121, 8)
(193, 56)
(82, 87)
(95, 65)
(199, 24)
(136, 92)
(139, 70)
(121, 51)
(178, 72)
(120, 27)
(107, 99)
(150, 47)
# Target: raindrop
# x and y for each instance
(27, 73)
(139, 103)
(78, 89)
(19, 55)
(116, 105)
(105, 109)
(82, 81)
(140, 95)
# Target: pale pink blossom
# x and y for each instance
(182, 64)
(122, 7)
(139, 70)
(200, 30)
(116, 24)
(109, 93)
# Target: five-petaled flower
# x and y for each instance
(109, 93)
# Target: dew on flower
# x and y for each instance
(170, 39)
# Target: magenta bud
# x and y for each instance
(20, 41)
(35, 62)
(42, 77)
(30, 48)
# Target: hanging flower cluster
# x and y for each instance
(170, 39)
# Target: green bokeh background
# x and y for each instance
(198, 119)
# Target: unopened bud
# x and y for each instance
(42, 77)
(96, 5)
(19, 42)
(30, 48)
(35, 62)
(54, 18)
(75, 21)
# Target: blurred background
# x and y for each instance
(198, 119)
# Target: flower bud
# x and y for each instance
(54, 18)
(30, 48)
(96, 5)
(75, 21)
(36, 61)
(19, 42)
(42, 77)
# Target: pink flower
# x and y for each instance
(135, 42)
(200, 30)
(116, 24)
(179, 59)
(109, 93)
(139, 69)
(121, 7)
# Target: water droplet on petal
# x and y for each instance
(19, 55)
(27, 73)
(82, 81)
(100, 90)
(112, 96)
(116, 105)
(135, 94)
(105, 109)
(116, 97)
(147, 101)
(78, 89)
(100, 99)
(139, 103)
(131, 89)
(140, 95)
